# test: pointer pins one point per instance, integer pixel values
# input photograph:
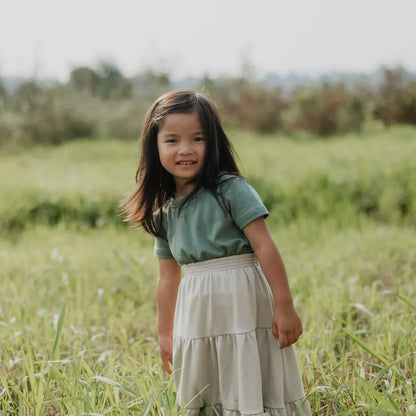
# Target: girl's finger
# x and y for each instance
(167, 360)
(275, 332)
(283, 340)
(292, 340)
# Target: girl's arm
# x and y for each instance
(166, 291)
(287, 326)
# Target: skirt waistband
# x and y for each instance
(223, 263)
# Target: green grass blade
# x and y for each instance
(374, 354)
(402, 298)
(58, 331)
(367, 348)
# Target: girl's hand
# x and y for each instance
(287, 326)
(165, 344)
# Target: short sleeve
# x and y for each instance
(243, 202)
(161, 249)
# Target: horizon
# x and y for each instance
(308, 75)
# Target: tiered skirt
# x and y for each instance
(225, 357)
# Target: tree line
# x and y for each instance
(103, 102)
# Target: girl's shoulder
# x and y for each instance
(228, 178)
(232, 186)
(240, 199)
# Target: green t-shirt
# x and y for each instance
(203, 230)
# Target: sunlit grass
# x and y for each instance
(78, 324)
(354, 292)
(77, 309)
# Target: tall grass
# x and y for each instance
(339, 179)
(77, 310)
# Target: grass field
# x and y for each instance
(77, 309)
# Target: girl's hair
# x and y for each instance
(155, 186)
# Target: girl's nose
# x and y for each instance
(185, 148)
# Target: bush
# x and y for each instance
(75, 209)
(59, 114)
(106, 82)
(326, 110)
(102, 102)
(386, 196)
(54, 121)
(395, 101)
(121, 120)
(261, 109)
(42, 115)
(247, 104)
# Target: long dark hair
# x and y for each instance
(155, 186)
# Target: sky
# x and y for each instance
(47, 38)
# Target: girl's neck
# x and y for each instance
(185, 189)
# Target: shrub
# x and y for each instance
(248, 104)
(121, 120)
(326, 110)
(395, 101)
(53, 121)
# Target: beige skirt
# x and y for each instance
(225, 357)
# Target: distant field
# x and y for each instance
(77, 310)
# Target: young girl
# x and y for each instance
(228, 326)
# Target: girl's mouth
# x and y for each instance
(186, 162)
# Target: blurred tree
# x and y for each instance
(395, 101)
(107, 82)
(3, 95)
(84, 79)
(53, 120)
(44, 114)
(101, 101)
(112, 83)
(261, 108)
(326, 109)
(246, 103)
(408, 104)
(26, 96)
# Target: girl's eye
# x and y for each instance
(171, 141)
(199, 139)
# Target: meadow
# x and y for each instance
(77, 308)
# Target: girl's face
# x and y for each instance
(181, 145)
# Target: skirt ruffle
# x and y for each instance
(226, 360)
(291, 409)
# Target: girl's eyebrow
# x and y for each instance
(168, 134)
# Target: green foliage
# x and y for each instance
(386, 197)
(247, 104)
(106, 82)
(375, 180)
(101, 101)
(95, 102)
(78, 317)
(84, 78)
(42, 116)
(396, 100)
(26, 96)
(3, 96)
(321, 110)
(51, 120)
(326, 110)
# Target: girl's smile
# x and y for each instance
(181, 146)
